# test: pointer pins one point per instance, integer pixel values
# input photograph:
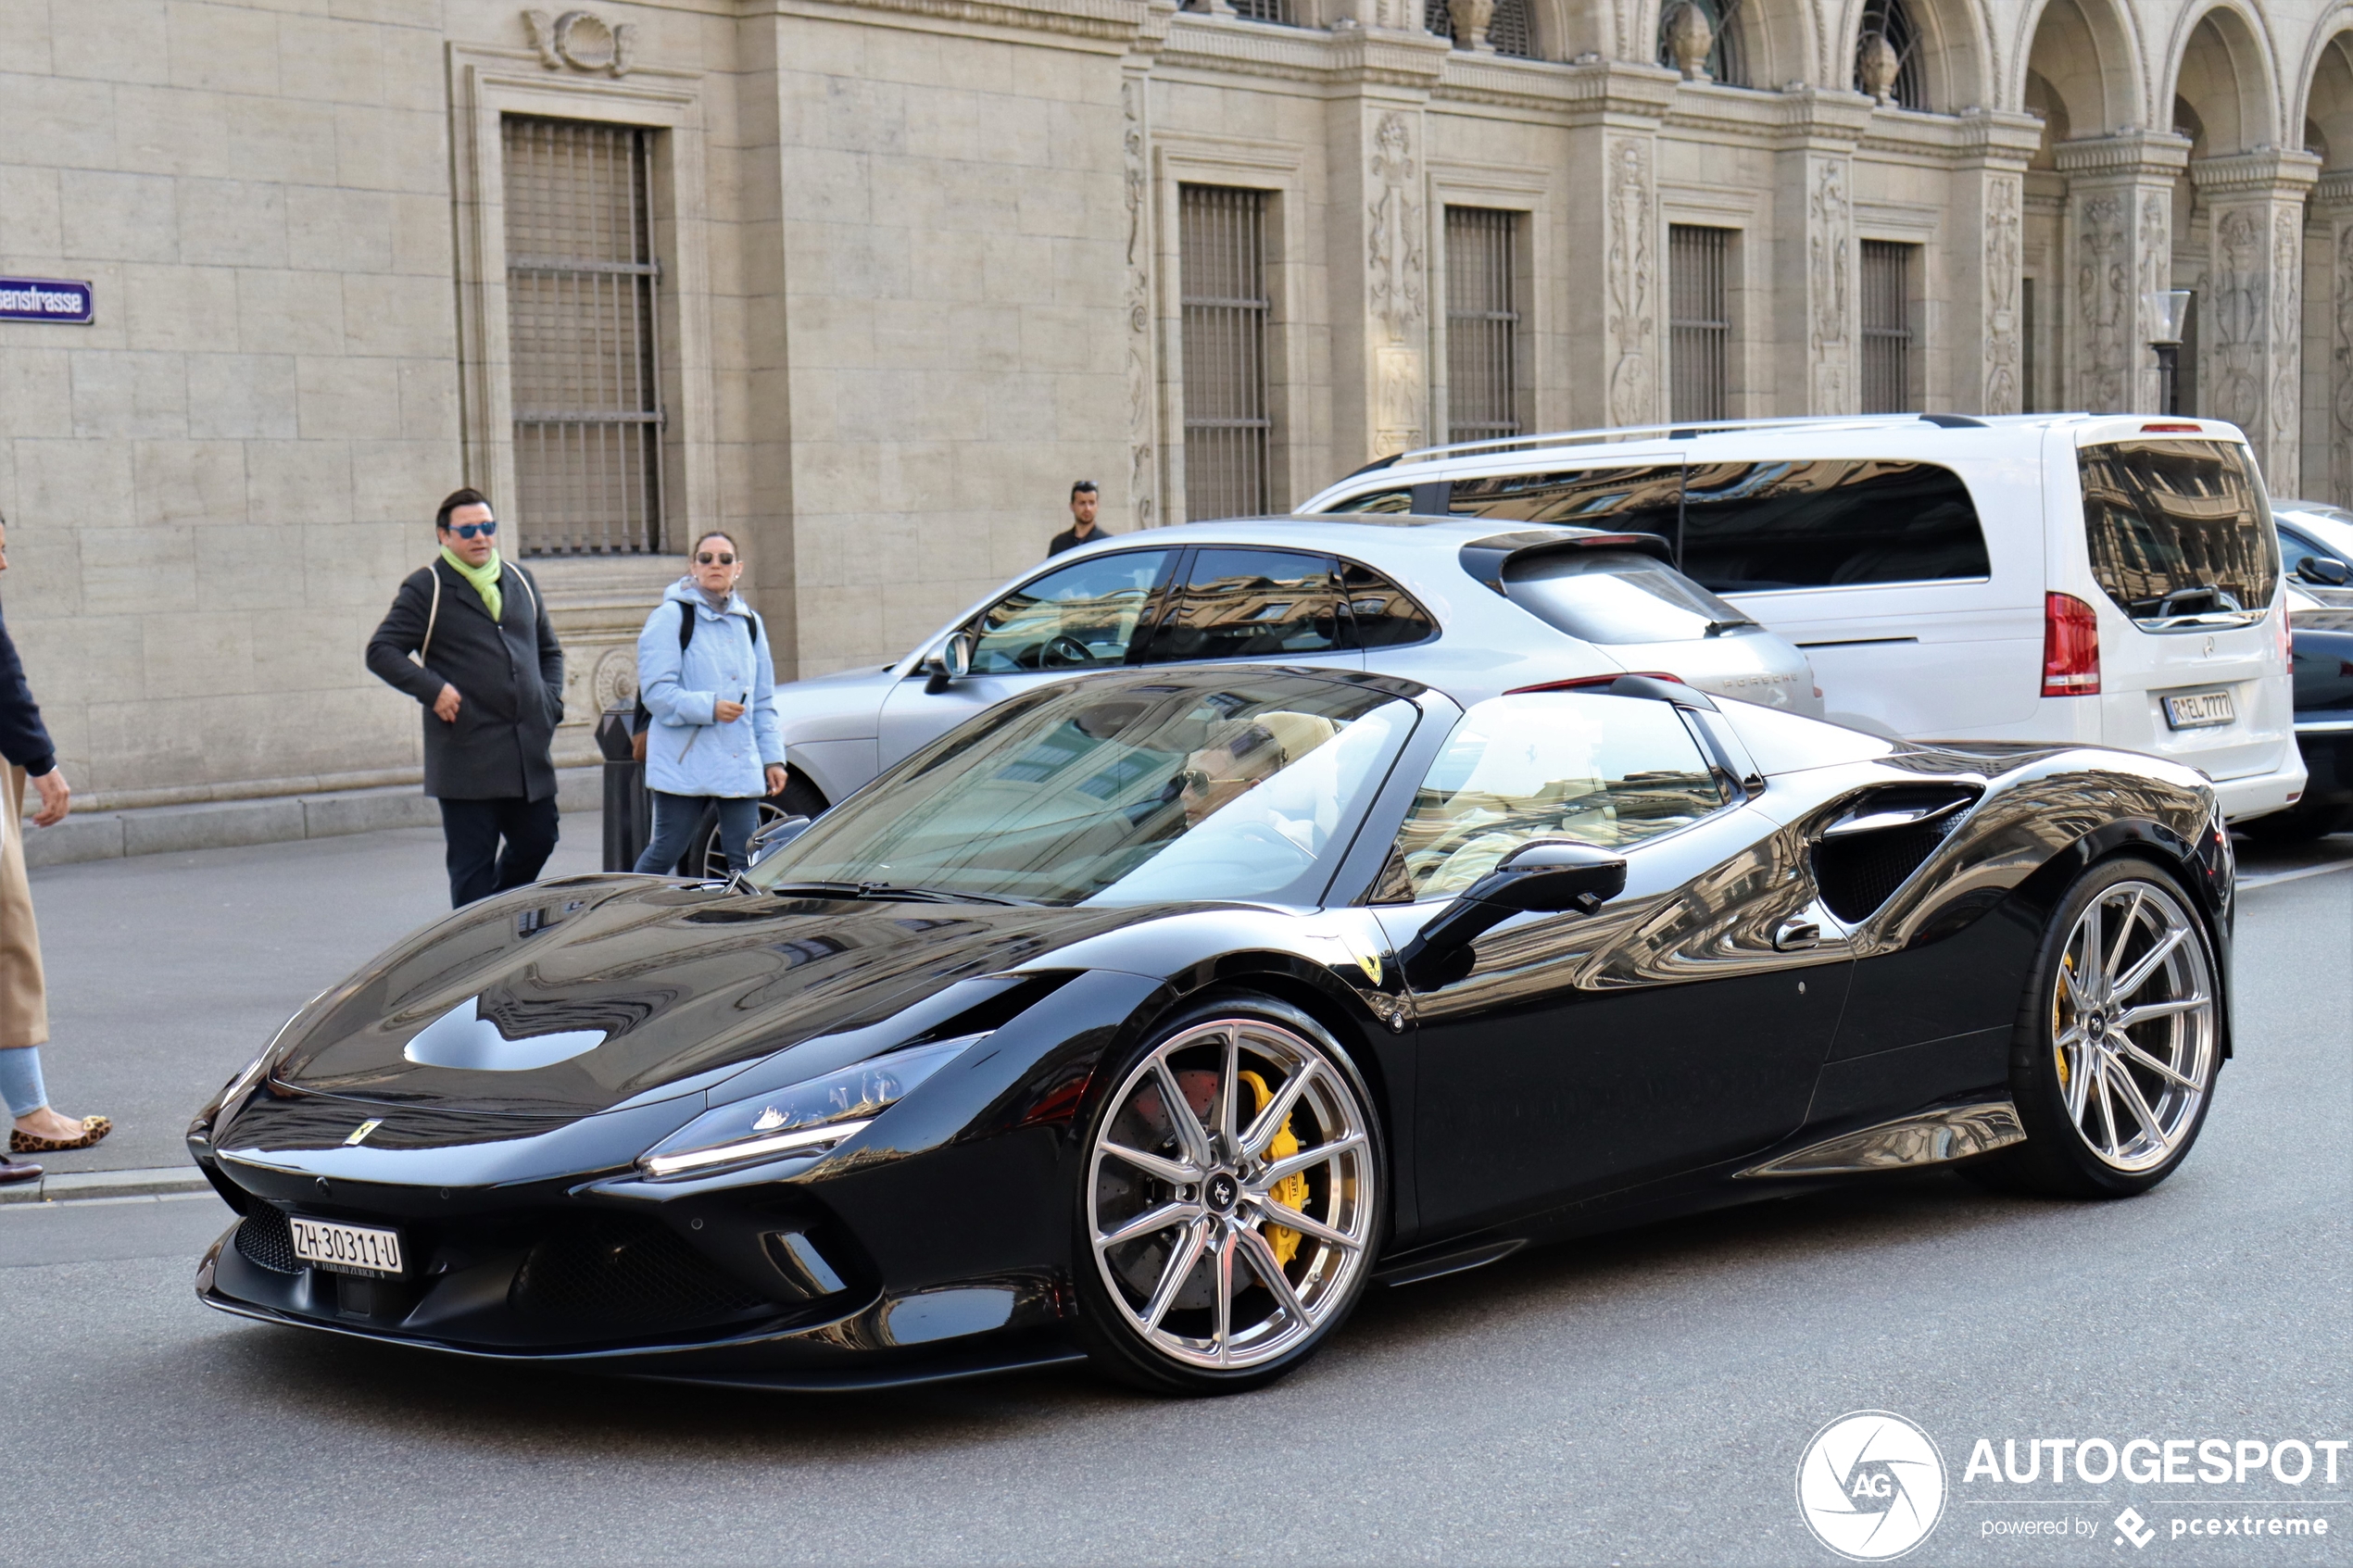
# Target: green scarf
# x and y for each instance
(484, 579)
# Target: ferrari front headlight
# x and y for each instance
(803, 1121)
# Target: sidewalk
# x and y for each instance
(168, 973)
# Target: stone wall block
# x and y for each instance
(242, 396)
(402, 481)
(224, 47)
(334, 230)
(29, 40)
(390, 314)
(146, 570)
(284, 140)
(175, 130)
(361, 566)
(103, 41)
(428, 401)
(71, 122)
(70, 484)
(340, 62)
(36, 388)
(358, 399)
(126, 396)
(35, 223)
(184, 307)
(232, 223)
(237, 571)
(420, 238)
(201, 655)
(119, 217)
(380, 149)
(193, 482)
(73, 659)
(293, 481)
(290, 312)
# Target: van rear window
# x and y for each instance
(1752, 528)
(2177, 530)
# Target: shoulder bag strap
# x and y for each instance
(432, 617)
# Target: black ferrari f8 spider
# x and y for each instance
(1152, 1017)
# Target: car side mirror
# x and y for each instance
(2328, 572)
(1550, 876)
(949, 663)
(775, 836)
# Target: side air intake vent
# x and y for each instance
(619, 1276)
(265, 1238)
(1866, 855)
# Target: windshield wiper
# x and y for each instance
(888, 890)
(1717, 628)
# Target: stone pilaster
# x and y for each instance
(2118, 239)
(2328, 432)
(1613, 217)
(1818, 306)
(1989, 201)
(1143, 410)
(2251, 322)
(1381, 233)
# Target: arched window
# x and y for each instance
(1507, 30)
(1888, 36)
(1727, 62)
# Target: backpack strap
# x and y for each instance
(433, 616)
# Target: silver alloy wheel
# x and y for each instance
(1223, 1244)
(2132, 1026)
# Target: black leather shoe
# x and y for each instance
(18, 1170)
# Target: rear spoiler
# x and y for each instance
(1487, 559)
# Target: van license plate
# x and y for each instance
(346, 1249)
(2197, 711)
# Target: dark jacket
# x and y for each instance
(510, 678)
(1068, 539)
(24, 740)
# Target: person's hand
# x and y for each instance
(445, 707)
(779, 775)
(726, 712)
(54, 796)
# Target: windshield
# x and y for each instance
(1613, 597)
(1121, 790)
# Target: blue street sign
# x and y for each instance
(45, 299)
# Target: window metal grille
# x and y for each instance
(1482, 324)
(1507, 29)
(1277, 11)
(583, 352)
(1222, 275)
(1699, 320)
(1727, 60)
(1887, 327)
(1888, 19)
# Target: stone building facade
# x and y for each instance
(897, 271)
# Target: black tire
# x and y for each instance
(708, 859)
(1189, 1347)
(2300, 823)
(2082, 1152)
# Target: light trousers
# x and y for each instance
(24, 995)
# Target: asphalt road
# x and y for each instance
(1644, 1398)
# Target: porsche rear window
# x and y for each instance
(2177, 528)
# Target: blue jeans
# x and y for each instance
(21, 1083)
(677, 816)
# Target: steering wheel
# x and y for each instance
(1063, 650)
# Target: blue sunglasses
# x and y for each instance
(469, 529)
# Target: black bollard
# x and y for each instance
(628, 812)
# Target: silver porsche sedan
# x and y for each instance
(1456, 602)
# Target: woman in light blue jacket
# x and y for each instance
(705, 675)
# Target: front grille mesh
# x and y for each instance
(616, 1276)
(265, 1238)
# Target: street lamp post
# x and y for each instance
(2168, 310)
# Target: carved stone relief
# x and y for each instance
(583, 41)
(1394, 286)
(1829, 247)
(2287, 334)
(2341, 370)
(2156, 260)
(2003, 260)
(1142, 486)
(2103, 300)
(1630, 273)
(2232, 381)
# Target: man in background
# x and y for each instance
(1082, 529)
(470, 638)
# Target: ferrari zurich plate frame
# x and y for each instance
(1151, 1017)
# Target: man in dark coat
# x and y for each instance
(490, 675)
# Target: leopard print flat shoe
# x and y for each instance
(92, 1129)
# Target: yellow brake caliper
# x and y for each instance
(1291, 1191)
(2066, 962)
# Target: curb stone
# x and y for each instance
(71, 1187)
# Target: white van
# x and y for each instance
(2042, 577)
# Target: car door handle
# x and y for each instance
(1796, 936)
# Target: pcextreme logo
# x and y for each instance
(1870, 1486)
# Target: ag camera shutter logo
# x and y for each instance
(1870, 1486)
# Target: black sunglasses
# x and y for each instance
(468, 530)
(707, 559)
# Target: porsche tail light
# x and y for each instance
(2071, 647)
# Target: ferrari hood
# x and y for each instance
(581, 996)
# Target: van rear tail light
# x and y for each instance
(2071, 647)
(2172, 430)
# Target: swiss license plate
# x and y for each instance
(346, 1249)
(2195, 710)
